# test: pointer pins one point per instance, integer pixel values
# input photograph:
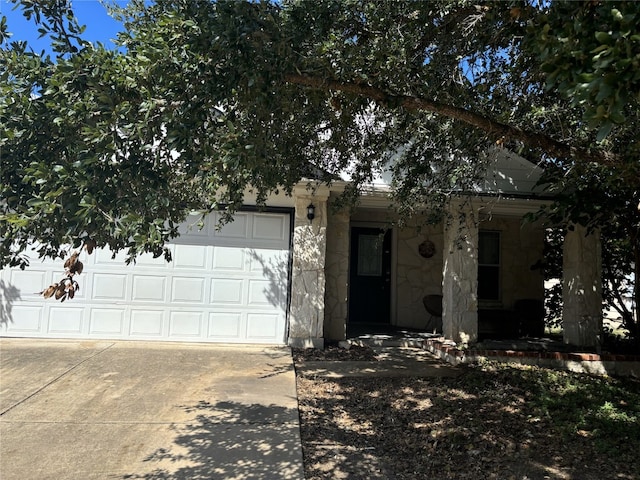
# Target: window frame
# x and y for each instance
(496, 278)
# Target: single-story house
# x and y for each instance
(287, 275)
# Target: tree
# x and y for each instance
(207, 99)
(597, 199)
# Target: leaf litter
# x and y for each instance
(492, 422)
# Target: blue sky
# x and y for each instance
(100, 26)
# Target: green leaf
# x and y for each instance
(616, 14)
(604, 131)
(617, 116)
(35, 202)
(605, 91)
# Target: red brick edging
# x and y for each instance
(604, 364)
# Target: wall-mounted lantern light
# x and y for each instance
(311, 212)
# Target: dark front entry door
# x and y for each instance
(370, 275)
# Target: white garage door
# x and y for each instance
(226, 285)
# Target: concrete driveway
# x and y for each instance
(119, 410)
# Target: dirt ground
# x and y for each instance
(484, 424)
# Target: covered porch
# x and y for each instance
(484, 263)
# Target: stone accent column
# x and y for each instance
(306, 314)
(582, 288)
(460, 275)
(337, 276)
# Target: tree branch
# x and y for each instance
(498, 130)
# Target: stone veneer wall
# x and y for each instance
(582, 287)
(416, 276)
(306, 314)
(521, 244)
(459, 277)
(336, 275)
(521, 247)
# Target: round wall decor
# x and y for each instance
(427, 249)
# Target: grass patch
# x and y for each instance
(604, 409)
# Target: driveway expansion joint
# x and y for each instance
(66, 372)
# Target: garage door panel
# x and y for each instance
(238, 229)
(225, 325)
(107, 321)
(67, 320)
(190, 256)
(273, 263)
(105, 257)
(264, 293)
(26, 319)
(109, 286)
(269, 227)
(29, 282)
(229, 258)
(83, 292)
(147, 323)
(195, 227)
(262, 325)
(147, 260)
(222, 286)
(187, 290)
(227, 291)
(185, 324)
(149, 288)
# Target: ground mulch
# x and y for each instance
(491, 422)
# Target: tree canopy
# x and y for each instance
(206, 99)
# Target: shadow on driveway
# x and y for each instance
(120, 410)
(229, 440)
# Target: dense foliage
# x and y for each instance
(598, 199)
(205, 100)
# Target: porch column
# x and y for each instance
(337, 275)
(306, 314)
(460, 275)
(582, 287)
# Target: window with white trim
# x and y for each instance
(488, 265)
